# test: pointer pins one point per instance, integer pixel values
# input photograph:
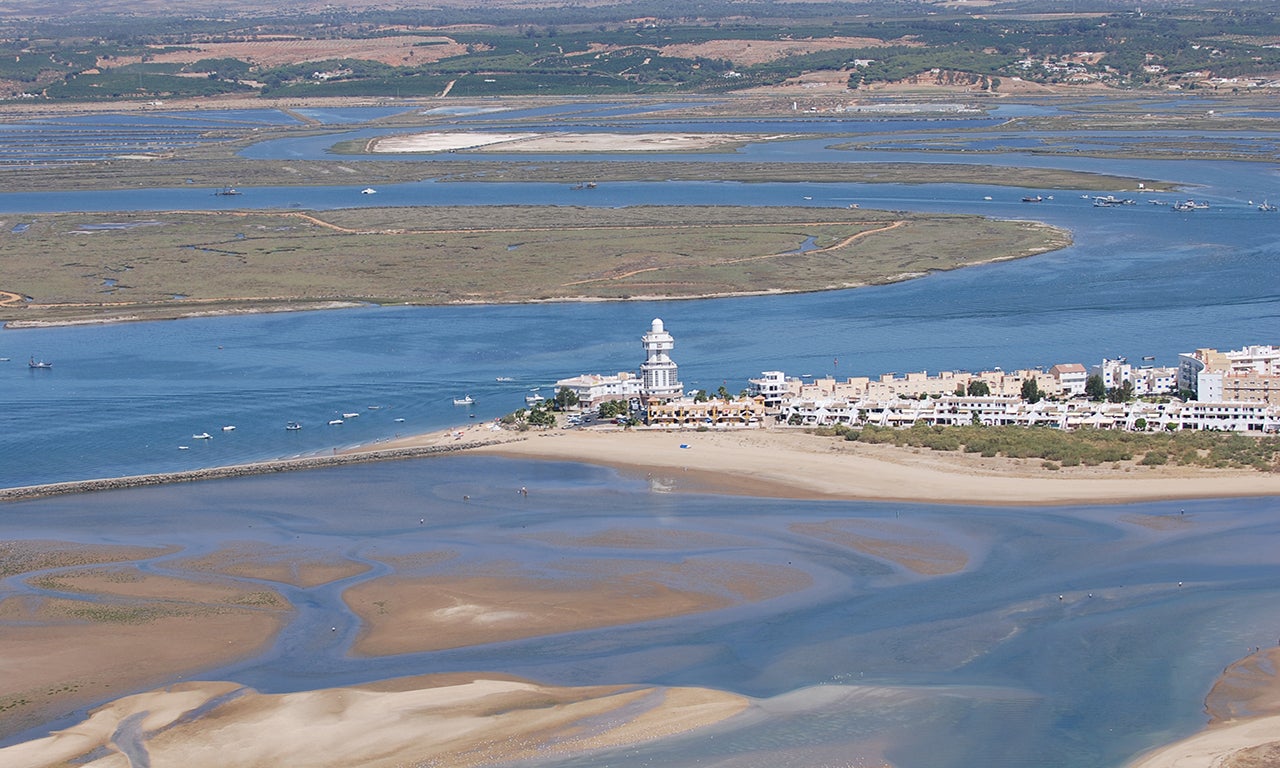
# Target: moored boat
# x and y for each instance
(293, 426)
(41, 364)
(335, 422)
(202, 436)
(466, 400)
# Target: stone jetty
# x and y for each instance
(240, 470)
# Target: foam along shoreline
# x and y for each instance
(451, 720)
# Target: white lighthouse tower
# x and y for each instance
(658, 372)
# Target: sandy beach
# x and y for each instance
(1244, 731)
(794, 464)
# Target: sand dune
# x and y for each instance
(452, 721)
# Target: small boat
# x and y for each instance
(184, 447)
(4, 359)
(368, 191)
(533, 399)
(40, 364)
(853, 206)
(227, 192)
(229, 428)
(293, 426)
(202, 436)
(373, 407)
(1032, 199)
(1266, 207)
(467, 400)
(335, 422)
(398, 420)
(986, 197)
(1148, 357)
(504, 378)
(351, 415)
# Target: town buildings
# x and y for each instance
(1235, 391)
(1250, 374)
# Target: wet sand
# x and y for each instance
(496, 603)
(87, 632)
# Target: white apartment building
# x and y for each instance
(1250, 374)
(1145, 380)
(593, 389)
(1255, 418)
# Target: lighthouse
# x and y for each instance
(658, 372)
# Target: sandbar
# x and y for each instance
(436, 141)
(455, 721)
(495, 602)
(794, 464)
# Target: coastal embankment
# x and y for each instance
(358, 455)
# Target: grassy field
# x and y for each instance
(70, 266)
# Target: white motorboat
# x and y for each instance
(293, 426)
(335, 422)
(351, 415)
(467, 400)
(202, 436)
(368, 191)
(229, 428)
(398, 421)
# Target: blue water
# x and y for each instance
(984, 667)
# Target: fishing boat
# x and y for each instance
(1033, 199)
(227, 192)
(293, 426)
(41, 364)
(1266, 207)
(202, 436)
(466, 400)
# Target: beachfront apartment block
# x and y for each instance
(687, 412)
(1249, 374)
(1145, 380)
(776, 387)
(1071, 378)
(592, 389)
(1255, 418)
